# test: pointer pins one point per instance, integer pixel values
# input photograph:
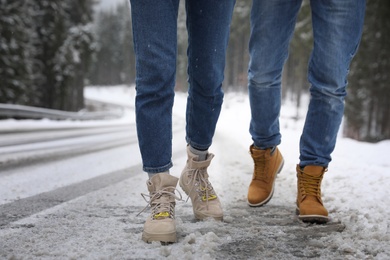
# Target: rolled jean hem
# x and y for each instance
(158, 169)
(197, 146)
(266, 146)
(304, 164)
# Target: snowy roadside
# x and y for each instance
(104, 224)
(120, 95)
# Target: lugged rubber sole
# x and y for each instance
(315, 219)
(203, 217)
(163, 238)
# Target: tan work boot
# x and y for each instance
(309, 203)
(195, 183)
(268, 163)
(160, 225)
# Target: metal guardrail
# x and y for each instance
(11, 110)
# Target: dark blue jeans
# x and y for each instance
(155, 43)
(337, 28)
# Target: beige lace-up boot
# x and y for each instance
(160, 225)
(194, 181)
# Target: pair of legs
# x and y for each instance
(337, 28)
(155, 41)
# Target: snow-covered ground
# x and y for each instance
(104, 224)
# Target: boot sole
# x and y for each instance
(315, 219)
(272, 191)
(203, 217)
(163, 238)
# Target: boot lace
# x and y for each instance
(201, 184)
(261, 167)
(310, 185)
(160, 203)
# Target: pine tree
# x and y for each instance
(114, 61)
(16, 52)
(128, 57)
(107, 62)
(368, 107)
(63, 44)
(74, 55)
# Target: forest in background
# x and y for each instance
(45, 52)
(51, 49)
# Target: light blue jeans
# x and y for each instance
(337, 28)
(155, 44)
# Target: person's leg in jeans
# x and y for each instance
(155, 44)
(272, 26)
(208, 23)
(337, 28)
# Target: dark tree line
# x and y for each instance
(16, 52)
(45, 48)
(114, 61)
(368, 101)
